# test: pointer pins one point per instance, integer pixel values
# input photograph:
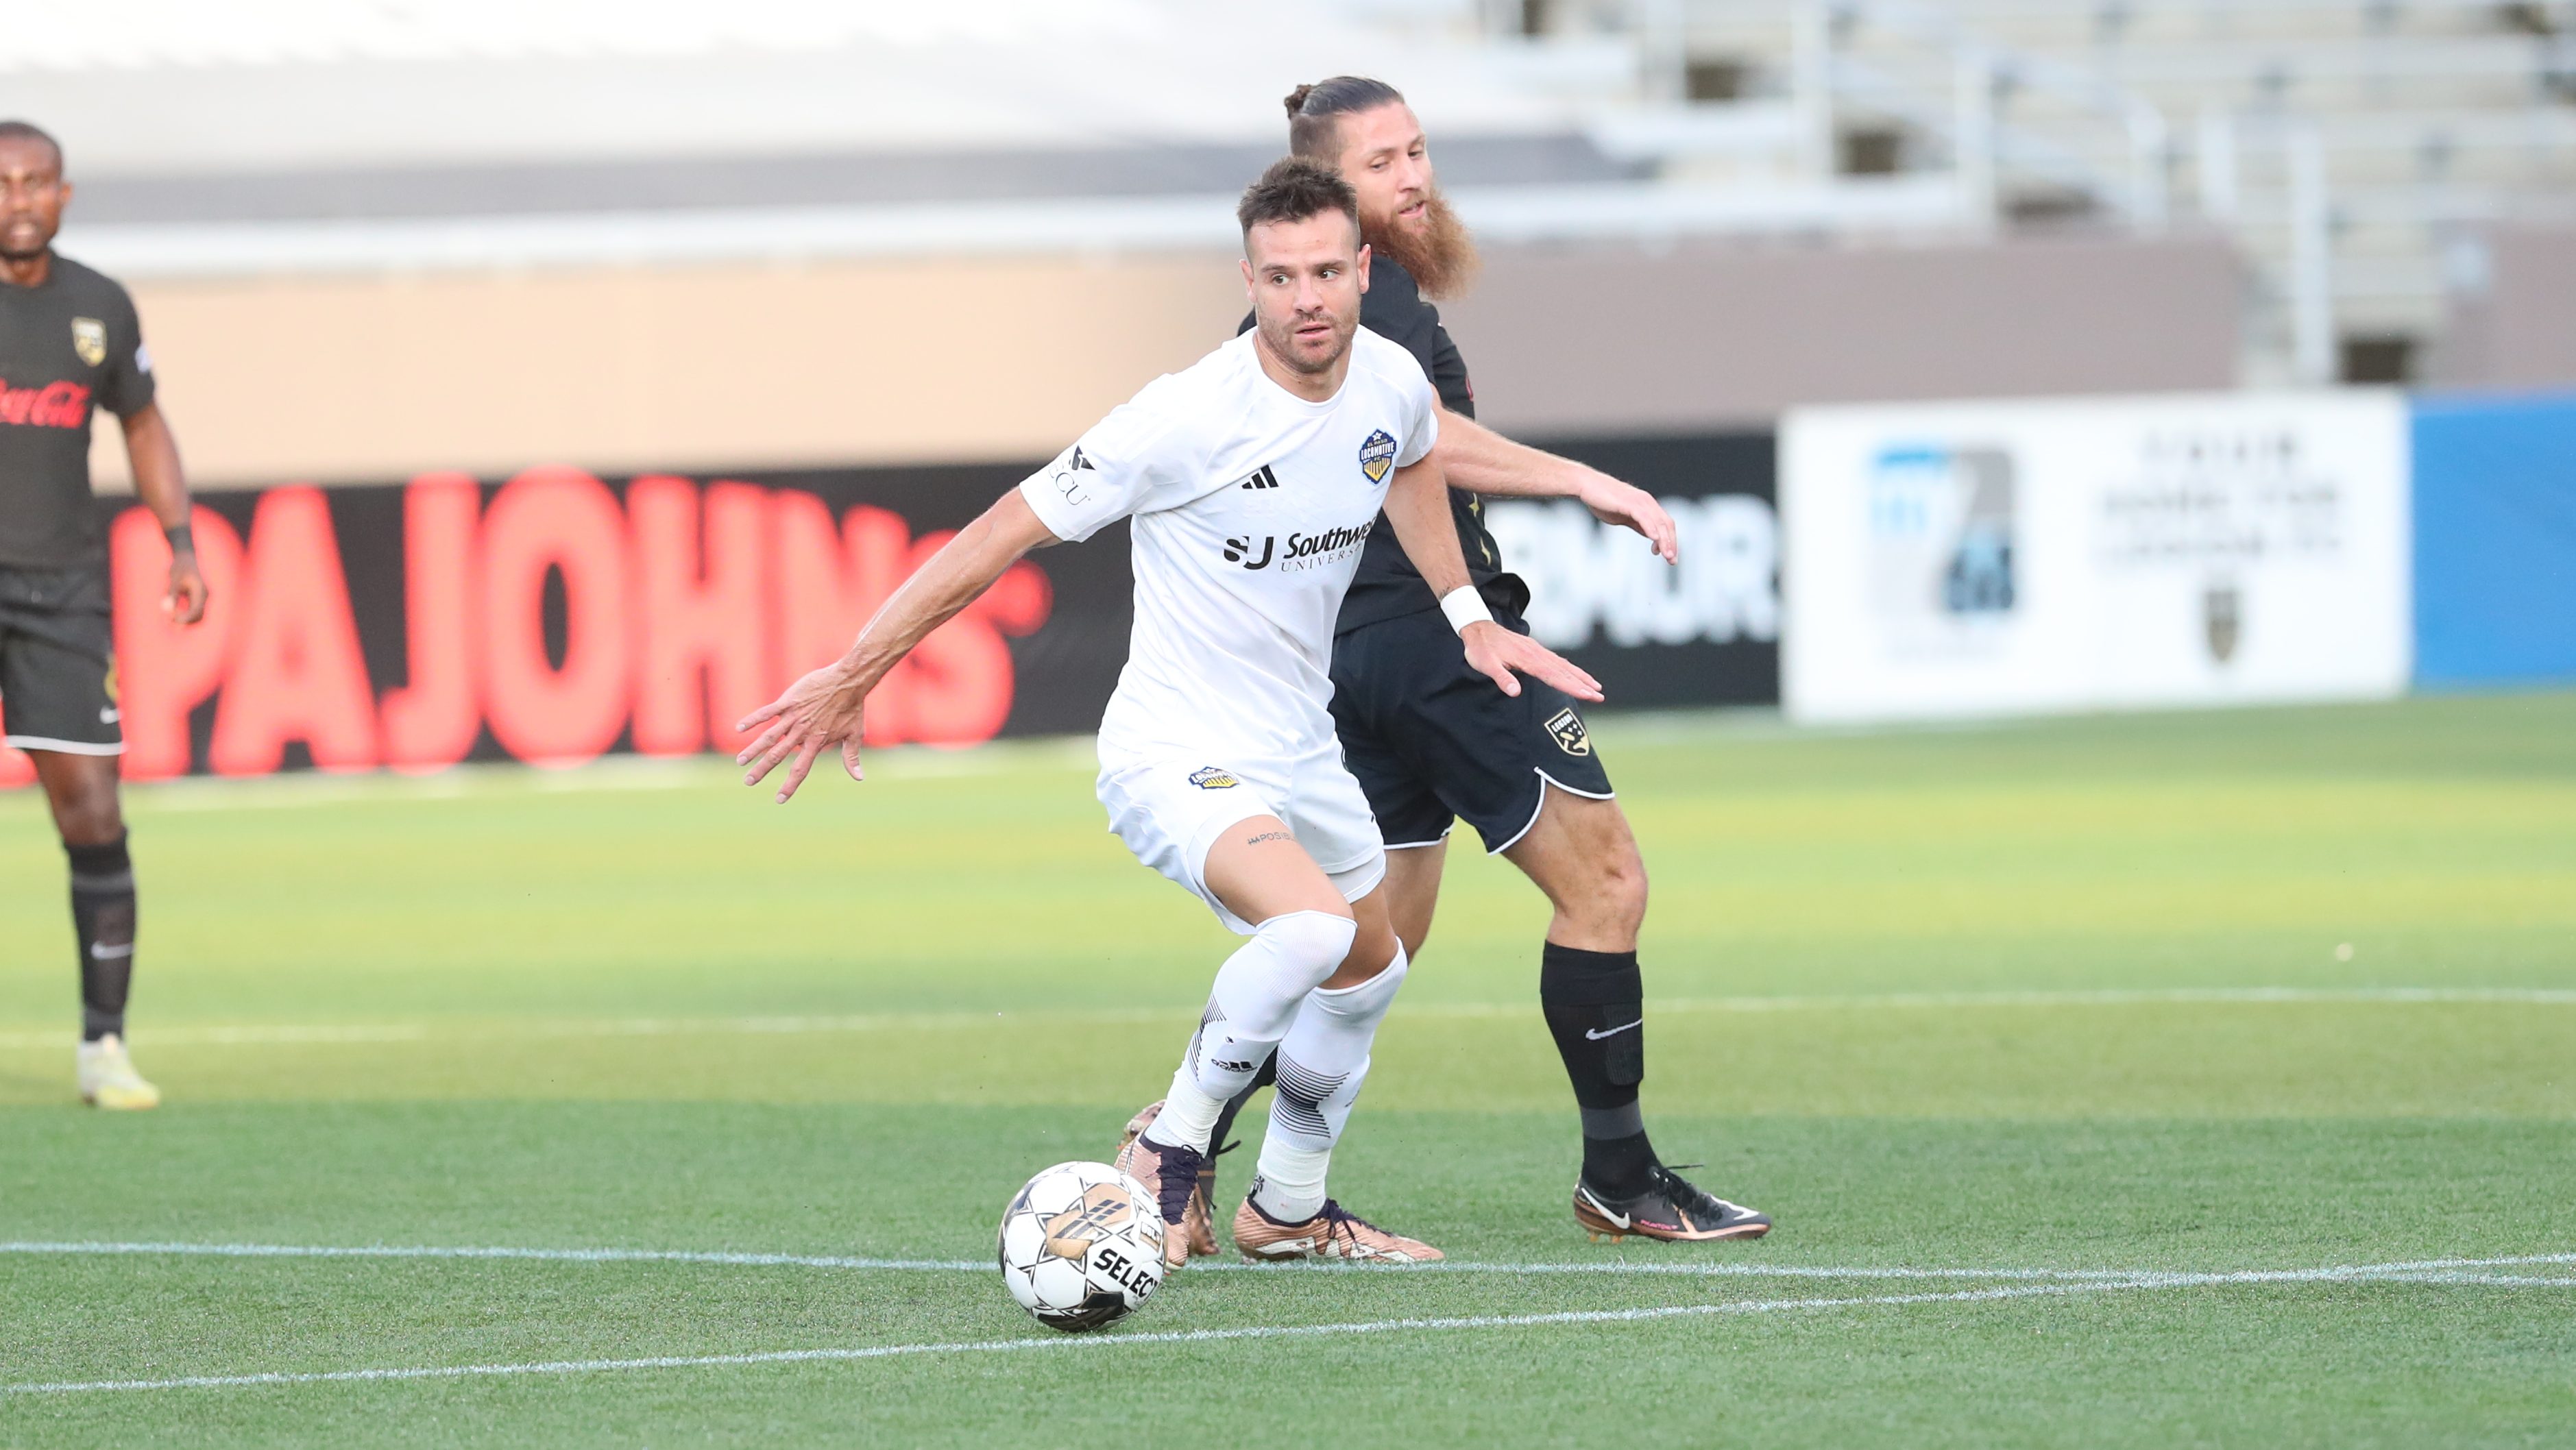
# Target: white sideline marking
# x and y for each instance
(256, 1035)
(2360, 1274)
(734, 1259)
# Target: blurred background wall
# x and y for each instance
(884, 257)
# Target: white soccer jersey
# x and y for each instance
(1250, 507)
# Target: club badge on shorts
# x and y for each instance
(1208, 777)
(89, 339)
(1567, 727)
(1377, 455)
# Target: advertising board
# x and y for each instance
(554, 616)
(2495, 541)
(1705, 632)
(1999, 558)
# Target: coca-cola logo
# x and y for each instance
(55, 405)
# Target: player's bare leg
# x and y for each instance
(81, 790)
(1581, 853)
(1412, 892)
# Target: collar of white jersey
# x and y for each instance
(1248, 340)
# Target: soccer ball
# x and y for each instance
(1081, 1246)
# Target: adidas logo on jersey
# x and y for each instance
(1262, 477)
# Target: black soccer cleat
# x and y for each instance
(1672, 1209)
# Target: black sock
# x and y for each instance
(1596, 1009)
(1268, 1075)
(103, 921)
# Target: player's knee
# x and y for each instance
(1310, 945)
(1374, 948)
(1411, 936)
(1379, 980)
(1620, 889)
(88, 816)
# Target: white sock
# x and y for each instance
(1290, 1185)
(1322, 1062)
(1258, 994)
(1188, 1118)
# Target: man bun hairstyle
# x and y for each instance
(1293, 189)
(1315, 112)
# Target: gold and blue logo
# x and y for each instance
(1377, 455)
(1208, 777)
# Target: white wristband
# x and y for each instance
(1464, 606)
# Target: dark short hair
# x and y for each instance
(1315, 112)
(30, 131)
(1294, 189)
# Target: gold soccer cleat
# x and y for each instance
(108, 1079)
(1335, 1233)
(1172, 1176)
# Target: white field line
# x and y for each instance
(2363, 1274)
(290, 1034)
(734, 1259)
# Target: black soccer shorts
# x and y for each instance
(58, 661)
(1432, 740)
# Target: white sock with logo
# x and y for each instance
(1322, 1062)
(1258, 994)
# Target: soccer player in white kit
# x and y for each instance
(1253, 478)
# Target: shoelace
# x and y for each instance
(1687, 1196)
(1179, 1178)
(1341, 1221)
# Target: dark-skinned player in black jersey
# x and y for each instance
(69, 345)
(1429, 747)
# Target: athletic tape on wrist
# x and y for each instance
(1465, 606)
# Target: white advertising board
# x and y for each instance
(1996, 558)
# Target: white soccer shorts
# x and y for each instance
(1169, 810)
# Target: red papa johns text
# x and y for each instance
(684, 609)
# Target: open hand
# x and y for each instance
(818, 712)
(1631, 507)
(1498, 652)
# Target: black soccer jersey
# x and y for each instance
(1387, 585)
(67, 347)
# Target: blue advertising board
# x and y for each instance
(2495, 541)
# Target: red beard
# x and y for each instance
(1439, 255)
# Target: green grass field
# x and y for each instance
(2137, 1081)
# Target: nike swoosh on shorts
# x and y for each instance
(1591, 1035)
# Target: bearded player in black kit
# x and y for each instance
(1429, 746)
(70, 344)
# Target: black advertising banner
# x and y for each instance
(1705, 632)
(555, 616)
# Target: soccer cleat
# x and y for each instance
(108, 1079)
(1672, 1209)
(1335, 1233)
(1172, 1176)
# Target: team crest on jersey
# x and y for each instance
(1208, 777)
(89, 339)
(1567, 727)
(1377, 455)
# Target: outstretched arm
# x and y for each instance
(1480, 460)
(823, 709)
(1417, 504)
